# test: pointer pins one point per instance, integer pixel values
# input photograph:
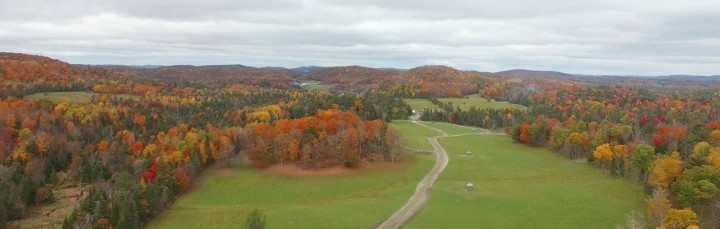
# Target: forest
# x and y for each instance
(136, 156)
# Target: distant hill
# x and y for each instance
(532, 73)
(436, 78)
(266, 77)
(17, 66)
(305, 69)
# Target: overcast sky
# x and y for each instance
(626, 37)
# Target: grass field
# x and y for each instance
(71, 97)
(523, 187)
(420, 104)
(413, 135)
(358, 200)
(313, 85)
(479, 102)
(452, 129)
(516, 187)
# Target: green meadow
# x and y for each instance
(360, 199)
(478, 102)
(522, 187)
(420, 104)
(515, 187)
(313, 85)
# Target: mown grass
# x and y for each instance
(478, 102)
(413, 135)
(522, 187)
(420, 104)
(361, 199)
(313, 85)
(452, 129)
(72, 96)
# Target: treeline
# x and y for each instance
(329, 138)
(489, 118)
(419, 82)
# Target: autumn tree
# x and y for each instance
(657, 206)
(665, 170)
(680, 218)
(182, 179)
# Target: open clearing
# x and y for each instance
(360, 199)
(465, 103)
(72, 96)
(522, 187)
(420, 104)
(515, 187)
(356, 200)
(314, 85)
(453, 129)
(479, 102)
(413, 135)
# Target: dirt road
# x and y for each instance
(422, 192)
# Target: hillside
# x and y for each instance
(265, 77)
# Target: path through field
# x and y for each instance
(422, 192)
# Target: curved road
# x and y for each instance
(417, 200)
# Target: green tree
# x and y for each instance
(643, 157)
(27, 192)
(696, 185)
(256, 220)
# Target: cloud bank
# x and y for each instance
(642, 37)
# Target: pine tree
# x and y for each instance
(27, 193)
(256, 220)
(66, 224)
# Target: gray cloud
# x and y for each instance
(643, 37)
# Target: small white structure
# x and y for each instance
(469, 154)
(470, 186)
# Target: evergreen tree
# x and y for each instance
(256, 220)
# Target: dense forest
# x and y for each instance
(135, 155)
(149, 131)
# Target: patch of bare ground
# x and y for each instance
(52, 215)
(293, 170)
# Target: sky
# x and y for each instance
(605, 37)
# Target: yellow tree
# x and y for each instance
(657, 206)
(620, 151)
(680, 218)
(713, 159)
(715, 134)
(700, 148)
(621, 156)
(149, 150)
(603, 153)
(665, 170)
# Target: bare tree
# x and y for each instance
(635, 220)
(716, 210)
